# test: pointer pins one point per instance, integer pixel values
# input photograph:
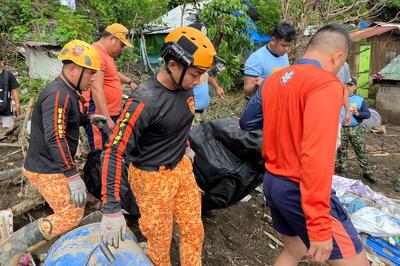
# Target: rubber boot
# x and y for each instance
(18, 243)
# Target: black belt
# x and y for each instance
(156, 168)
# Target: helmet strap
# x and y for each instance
(70, 83)
(179, 83)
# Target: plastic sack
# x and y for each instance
(375, 222)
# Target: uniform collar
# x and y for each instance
(302, 61)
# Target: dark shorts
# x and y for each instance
(283, 198)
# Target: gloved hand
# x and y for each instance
(112, 227)
(190, 153)
(77, 191)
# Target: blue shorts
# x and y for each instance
(283, 198)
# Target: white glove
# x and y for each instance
(113, 226)
(190, 153)
(77, 191)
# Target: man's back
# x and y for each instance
(297, 101)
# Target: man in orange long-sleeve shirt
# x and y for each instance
(298, 109)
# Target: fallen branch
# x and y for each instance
(29, 203)
(11, 144)
(22, 134)
(273, 238)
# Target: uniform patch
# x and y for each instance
(287, 76)
(77, 50)
(190, 102)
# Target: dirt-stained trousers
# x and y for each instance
(162, 196)
(54, 189)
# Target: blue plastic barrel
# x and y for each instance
(82, 247)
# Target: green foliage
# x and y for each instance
(15, 13)
(130, 13)
(228, 33)
(127, 59)
(72, 25)
(269, 11)
(30, 88)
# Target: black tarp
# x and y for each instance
(228, 163)
(227, 166)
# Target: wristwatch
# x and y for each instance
(129, 82)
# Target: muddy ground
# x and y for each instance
(241, 234)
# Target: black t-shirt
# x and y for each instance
(55, 131)
(12, 85)
(151, 131)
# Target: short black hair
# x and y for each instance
(285, 31)
(325, 35)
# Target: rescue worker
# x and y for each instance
(49, 164)
(105, 94)
(151, 133)
(354, 133)
(298, 109)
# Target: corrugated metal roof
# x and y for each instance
(391, 71)
(378, 29)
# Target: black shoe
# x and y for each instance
(371, 178)
(397, 187)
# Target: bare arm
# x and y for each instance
(251, 85)
(126, 80)
(14, 95)
(99, 97)
(346, 107)
(218, 90)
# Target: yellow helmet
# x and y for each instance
(190, 47)
(81, 53)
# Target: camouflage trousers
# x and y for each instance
(54, 189)
(355, 136)
(162, 196)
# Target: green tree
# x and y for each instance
(226, 24)
(269, 14)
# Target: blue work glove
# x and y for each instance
(77, 191)
(113, 226)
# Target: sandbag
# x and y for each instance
(228, 163)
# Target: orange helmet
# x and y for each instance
(190, 47)
(81, 53)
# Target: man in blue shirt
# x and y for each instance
(269, 58)
(354, 133)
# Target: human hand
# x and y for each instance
(111, 124)
(320, 251)
(190, 153)
(113, 226)
(347, 119)
(133, 85)
(220, 92)
(17, 109)
(355, 111)
(258, 81)
(77, 191)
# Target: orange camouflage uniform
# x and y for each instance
(162, 196)
(54, 189)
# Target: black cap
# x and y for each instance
(353, 81)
